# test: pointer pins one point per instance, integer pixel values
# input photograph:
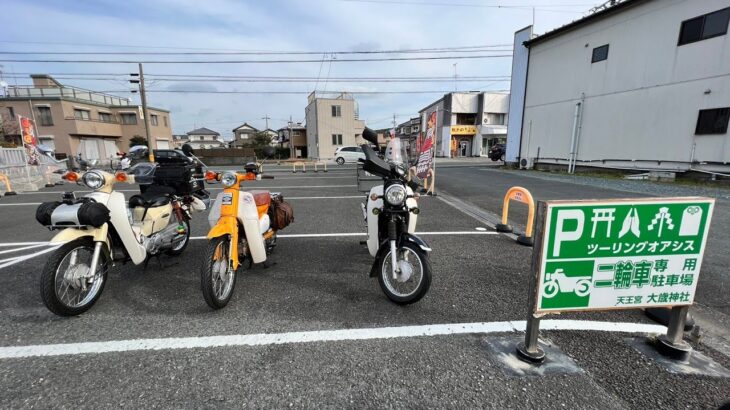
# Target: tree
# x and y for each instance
(137, 140)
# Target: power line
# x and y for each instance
(292, 80)
(294, 92)
(227, 53)
(343, 60)
(205, 77)
(492, 6)
(239, 51)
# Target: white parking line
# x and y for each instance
(4, 263)
(264, 339)
(272, 188)
(288, 197)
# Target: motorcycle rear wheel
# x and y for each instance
(217, 277)
(415, 257)
(59, 294)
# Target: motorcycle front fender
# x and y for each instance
(227, 225)
(385, 247)
(97, 235)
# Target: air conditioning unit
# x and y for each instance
(527, 163)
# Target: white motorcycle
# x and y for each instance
(401, 258)
(100, 229)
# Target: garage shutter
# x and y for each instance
(163, 144)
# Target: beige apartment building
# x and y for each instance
(75, 121)
(332, 121)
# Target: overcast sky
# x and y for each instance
(274, 25)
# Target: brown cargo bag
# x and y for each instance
(282, 215)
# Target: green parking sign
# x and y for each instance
(616, 254)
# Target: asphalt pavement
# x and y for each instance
(313, 330)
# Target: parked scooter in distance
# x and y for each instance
(401, 258)
(243, 227)
(100, 229)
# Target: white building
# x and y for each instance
(468, 123)
(643, 84)
(204, 138)
(332, 121)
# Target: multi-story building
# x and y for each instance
(74, 121)
(242, 135)
(204, 138)
(296, 142)
(408, 132)
(468, 123)
(332, 121)
(178, 140)
(642, 84)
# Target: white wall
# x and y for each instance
(642, 103)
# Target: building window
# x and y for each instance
(11, 112)
(600, 54)
(336, 111)
(129, 119)
(336, 139)
(713, 121)
(164, 120)
(83, 115)
(44, 116)
(153, 119)
(105, 117)
(704, 27)
(466, 119)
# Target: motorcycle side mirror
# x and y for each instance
(370, 136)
(187, 149)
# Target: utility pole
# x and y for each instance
(143, 95)
(267, 118)
(291, 140)
(455, 87)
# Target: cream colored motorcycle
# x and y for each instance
(100, 229)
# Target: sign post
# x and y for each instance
(620, 254)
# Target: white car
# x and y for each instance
(348, 154)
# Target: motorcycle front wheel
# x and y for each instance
(217, 276)
(414, 279)
(68, 288)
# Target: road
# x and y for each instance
(314, 330)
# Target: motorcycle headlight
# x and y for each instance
(395, 194)
(228, 179)
(93, 180)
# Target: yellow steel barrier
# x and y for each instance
(8, 187)
(518, 194)
(322, 163)
(301, 164)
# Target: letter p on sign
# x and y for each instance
(561, 235)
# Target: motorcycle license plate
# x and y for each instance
(227, 198)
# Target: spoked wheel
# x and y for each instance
(217, 278)
(179, 247)
(68, 287)
(340, 161)
(411, 283)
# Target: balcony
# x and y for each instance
(95, 127)
(66, 92)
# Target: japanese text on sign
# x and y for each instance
(623, 253)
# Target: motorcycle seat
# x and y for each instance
(154, 196)
(262, 198)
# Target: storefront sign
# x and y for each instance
(602, 255)
(426, 148)
(463, 129)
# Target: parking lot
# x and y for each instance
(314, 330)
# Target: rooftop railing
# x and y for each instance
(66, 92)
